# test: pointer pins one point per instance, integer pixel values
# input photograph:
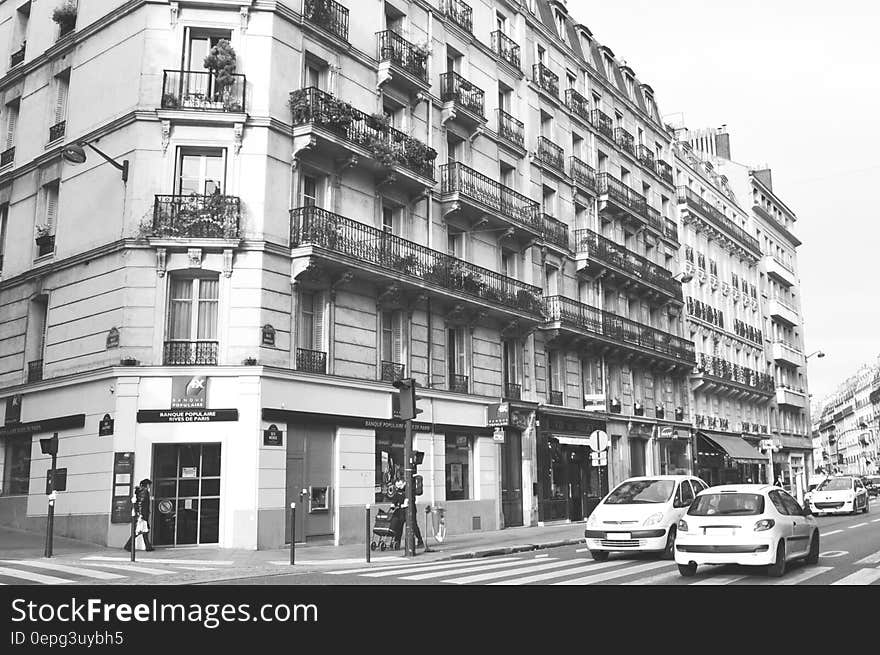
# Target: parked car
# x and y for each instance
(641, 514)
(840, 494)
(747, 524)
(872, 484)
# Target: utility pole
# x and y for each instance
(407, 392)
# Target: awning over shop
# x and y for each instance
(737, 447)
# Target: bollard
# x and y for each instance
(367, 550)
(133, 524)
(292, 530)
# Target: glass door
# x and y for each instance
(201, 172)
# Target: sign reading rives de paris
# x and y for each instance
(186, 415)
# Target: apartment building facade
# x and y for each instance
(316, 199)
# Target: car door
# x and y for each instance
(862, 494)
(801, 526)
(785, 522)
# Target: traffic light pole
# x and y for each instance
(410, 545)
(50, 522)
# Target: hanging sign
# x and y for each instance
(498, 415)
(105, 427)
(498, 435)
(186, 415)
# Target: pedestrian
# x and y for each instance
(779, 482)
(142, 511)
(400, 500)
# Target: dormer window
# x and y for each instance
(560, 24)
(609, 66)
(629, 86)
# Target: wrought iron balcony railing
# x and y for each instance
(45, 245)
(608, 252)
(664, 170)
(400, 52)
(328, 15)
(546, 79)
(510, 128)
(551, 154)
(722, 369)
(462, 92)
(460, 13)
(578, 104)
(316, 107)
(202, 91)
(603, 123)
(190, 353)
(197, 217)
(622, 194)
(622, 330)
(318, 227)
(57, 131)
(625, 140)
(555, 397)
(311, 361)
(655, 219)
(16, 57)
(35, 371)
(458, 178)
(7, 156)
(391, 371)
(583, 174)
(506, 48)
(512, 391)
(555, 231)
(717, 219)
(458, 383)
(704, 312)
(646, 157)
(670, 229)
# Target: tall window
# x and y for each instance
(389, 220)
(508, 263)
(510, 361)
(453, 148)
(4, 216)
(198, 45)
(193, 304)
(455, 244)
(62, 86)
(456, 354)
(50, 206)
(392, 337)
(38, 313)
(542, 55)
(551, 281)
(501, 22)
(308, 191)
(201, 171)
(591, 375)
(11, 123)
(311, 323)
(459, 458)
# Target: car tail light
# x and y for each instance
(764, 524)
(682, 526)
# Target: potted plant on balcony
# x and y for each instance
(527, 301)
(43, 234)
(420, 52)
(170, 101)
(383, 152)
(220, 61)
(379, 121)
(65, 16)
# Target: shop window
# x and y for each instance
(389, 464)
(16, 466)
(459, 458)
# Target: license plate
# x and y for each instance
(619, 536)
(720, 532)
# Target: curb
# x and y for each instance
(507, 550)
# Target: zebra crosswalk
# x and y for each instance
(95, 570)
(550, 570)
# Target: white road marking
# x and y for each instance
(825, 534)
(873, 558)
(609, 575)
(660, 578)
(134, 568)
(494, 575)
(584, 550)
(720, 579)
(858, 525)
(437, 567)
(860, 577)
(875, 521)
(157, 560)
(834, 553)
(348, 560)
(469, 569)
(61, 568)
(540, 556)
(198, 568)
(541, 577)
(806, 574)
(415, 565)
(33, 577)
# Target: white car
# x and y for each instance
(843, 494)
(749, 524)
(641, 514)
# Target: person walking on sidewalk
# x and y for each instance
(142, 510)
(399, 499)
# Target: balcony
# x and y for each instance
(791, 397)
(625, 141)
(717, 375)
(782, 311)
(555, 232)
(506, 48)
(338, 244)
(546, 79)
(646, 158)
(704, 312)
(482, 199)
(345, 131)
(512, 391)
(7, 156)
(787, 354)
(397, 55)
(392, 372)
(608, 334)
(664, 170)
(463, 102)
(35, 371)
(555, 398)
(603, 123)
(583, 174)
(617, 199)
(458, 383)
(511, 129)
(57, 131)
(670, 230)
(459, 13)
(190, 353)
(17, 57)
(720, 226)
(328, 15)
(780, 271)
(311, 361)
(201, 91)
(196, 217)
(622, 268)
(550, 154)
(578, 105)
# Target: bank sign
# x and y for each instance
(189, 392)
(186, 415)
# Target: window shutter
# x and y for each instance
(318, 331)
(61, 100)
(397, 337)
(11, 121)
(51, 204)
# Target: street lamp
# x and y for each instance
(76, 154)
(818, 354)
(684, 278)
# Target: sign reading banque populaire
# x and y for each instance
(189, 392)
(186, 415)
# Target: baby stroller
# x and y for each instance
(387, 529)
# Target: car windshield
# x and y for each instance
(641, 491)
(836, 484)
(721, 504)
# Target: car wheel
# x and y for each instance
(777, 569)
(669, 551)
(813, 554)
(687, 570)
(599, 555)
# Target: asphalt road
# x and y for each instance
(849, 555)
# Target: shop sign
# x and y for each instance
(46, 425)
(13, 409)
(667, 432)
(186, 415)
(498, 415)
(189, 472)
(386, 424)
(123, 473)
(498, 435)
(272, 436)
(189, 392)
(105, 427)
(594, 402)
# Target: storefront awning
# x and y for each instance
(737, 447)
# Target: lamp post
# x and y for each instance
(76, 154)
(683, 277)
(817, 353)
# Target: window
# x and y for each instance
(4, 216)
(778, 503)
(570, 80)
(311, 321)
(62, 85)
(389, 463)
(542, 54)
(201, 171)
(591, 374)
(685, 494)
(453, 148)
(17, 465)
(508, 263)
(501, 22)
(510, 361)
(198, 45)
(456, 359)
(459, 455)
(548, 201)
(551, 281)
(192, 314)
(38, 312)
(308, 191)
(791, 505)
(389, 224)
(50, 208)
(560, 24)
(11, 123)
(392, 337)
(455, 244)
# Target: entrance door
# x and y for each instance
(309, 474)
(186, 479)
(636, 457)
(511, 479)
(578, 481)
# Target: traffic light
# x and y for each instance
(408, 398)
(49, 446)
(418, 487)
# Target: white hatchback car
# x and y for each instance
(749, 524)
(844, 493)
(641, 514)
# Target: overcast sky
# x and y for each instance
(796, 84)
